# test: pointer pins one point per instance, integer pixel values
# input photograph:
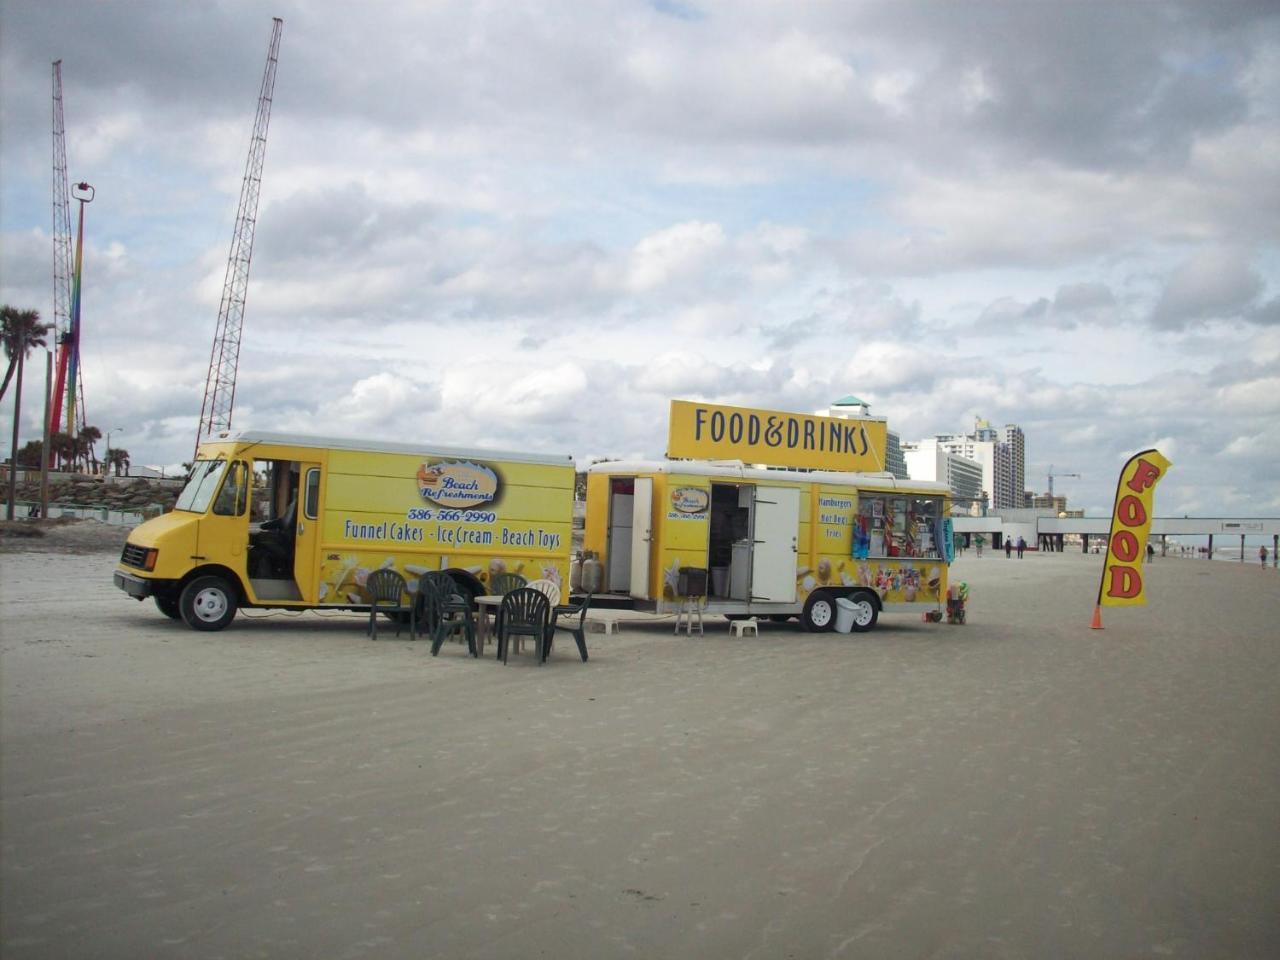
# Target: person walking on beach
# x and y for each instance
(1008, 547)
(1262, 555)
(1151, 553)
(979, 541)
(1022, 545)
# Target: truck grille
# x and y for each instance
(134, 556)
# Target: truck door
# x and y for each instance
(641, 537)
(307, 535)
(776, 512)
(223, 534)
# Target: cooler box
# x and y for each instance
(692, 582)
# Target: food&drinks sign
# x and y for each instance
(713, 432)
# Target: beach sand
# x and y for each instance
(1021, 786)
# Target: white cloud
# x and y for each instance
(505, 392)
(383, 406)
(891, 90)
(531, 226)
(1215, 284)
(675, 253)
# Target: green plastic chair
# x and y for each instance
(503, 583)
(575, 617)
(524, 613)
(446, 611)
(387, 592)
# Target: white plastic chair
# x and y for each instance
(548, 588)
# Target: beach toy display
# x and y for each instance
(957, 594)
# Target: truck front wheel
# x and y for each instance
(207, 603)
(168, 606)
(819, 613)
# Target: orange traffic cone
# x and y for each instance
(1097, 618)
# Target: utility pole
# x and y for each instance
(13, 450)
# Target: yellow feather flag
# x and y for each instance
(1122, 582)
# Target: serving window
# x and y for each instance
(888, 525)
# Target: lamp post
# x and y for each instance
(106, 466)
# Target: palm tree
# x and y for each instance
(117, 458)
(22, 332)
(63, 448)
(31, 454)
(87, 438)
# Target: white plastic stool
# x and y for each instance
(740, 628)
(602, 626)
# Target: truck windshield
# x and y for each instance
(200, 488)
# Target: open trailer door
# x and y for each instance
(776, 511)
(641, 537)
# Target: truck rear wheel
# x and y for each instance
(207, 603)
(866, 611)
(819, 613)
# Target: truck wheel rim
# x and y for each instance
(820, 613)
(210, 605)
(863, 612)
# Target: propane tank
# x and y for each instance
(591, 573)
(575, 574)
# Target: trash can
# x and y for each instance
(844, 614)
(719, 581)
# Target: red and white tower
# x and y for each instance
(220, 385)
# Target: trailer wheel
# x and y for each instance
(207, 603)
(168, 606)
(865, 611)
(819, 613)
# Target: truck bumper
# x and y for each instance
(135, 587)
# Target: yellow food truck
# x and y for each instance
(297, 522)
(767, 542)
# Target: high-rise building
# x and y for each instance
(1002, 456)
(1013, 436)
(999, 453)
(927, 460)
(993, 456)
(851, 408)
(893, 459)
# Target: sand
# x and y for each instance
(1020, 786)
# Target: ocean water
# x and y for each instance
(1228, 554)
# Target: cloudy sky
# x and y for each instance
(531, 225)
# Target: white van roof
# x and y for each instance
(739, 470)
(248, 437)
